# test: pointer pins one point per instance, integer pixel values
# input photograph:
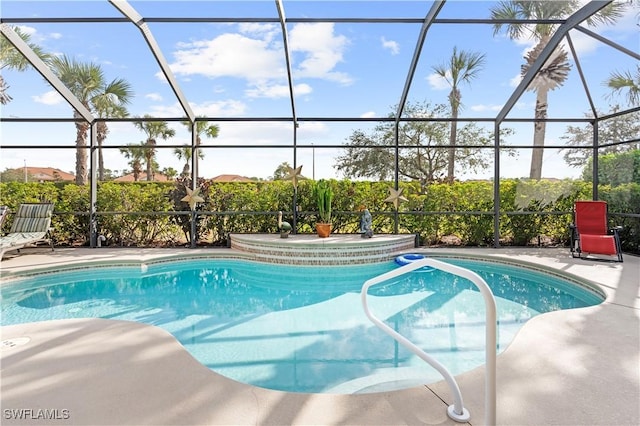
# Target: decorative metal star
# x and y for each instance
(395, 197)
(193, 197)
(294, 175)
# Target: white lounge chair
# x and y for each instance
(31, 225)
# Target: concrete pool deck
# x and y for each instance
(573, 367)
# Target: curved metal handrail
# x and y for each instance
(456, 411)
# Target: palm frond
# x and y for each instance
(621, 81)
(553, 73)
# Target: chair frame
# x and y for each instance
(4, 211)
(576, 249)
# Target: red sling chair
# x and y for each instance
(590, 233)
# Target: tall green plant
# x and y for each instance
(463, 66)
(323, 194)
(88, 83)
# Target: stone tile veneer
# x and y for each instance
(308, 249)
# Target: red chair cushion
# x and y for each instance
(599, 244)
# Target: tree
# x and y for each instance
(15, 175)
(615, 169)
(11, 58)
(201, 128)
(110, 103)
(153, 130)
(136, 155)
(184, 153)
(619, 128)
(170, 173)
(109, 174)
(282, 171)
(87, 83)
(621, 81)
(373, 155)
(554, 72)
(462, 67)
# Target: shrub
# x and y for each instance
(152, 213)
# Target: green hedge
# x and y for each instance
(152, 214)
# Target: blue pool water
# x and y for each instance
(303, 329)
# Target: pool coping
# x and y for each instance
(584, 373)
(233, 254)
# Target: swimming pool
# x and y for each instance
(302, 329)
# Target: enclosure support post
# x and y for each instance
(496, 185)
(93, 190)
(595, 160)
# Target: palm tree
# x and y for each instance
(618, 82)
(462, 67)
(170, 173)
(110, 103)
(153, 130)
(87, 83)
(201, 128)
(554, 72)
(184, 153)
(11, 58)
(135, 154)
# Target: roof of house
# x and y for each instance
(231, 178)
(142, 177)
(49, 174)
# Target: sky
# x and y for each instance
(340, 69)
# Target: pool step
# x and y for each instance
(386, 380)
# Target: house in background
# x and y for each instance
(157, 177)
(43, 174)
(230, 178)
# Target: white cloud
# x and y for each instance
(312, 128)
(277, 91)
(153, 96)
(582, 43)
(515, 80)
(482, 107)
(437, 82)
(255, 54)
(231, 55)
(160, 76)
(368, 114)
(302, 89)
(30, 31)
(266, 31)
(391, 45)
(226, 108)
(37, 37)
(323, 50)
(49, 98)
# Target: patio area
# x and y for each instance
(572, 367)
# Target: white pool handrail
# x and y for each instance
(456, 411)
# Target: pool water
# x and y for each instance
(300, 328)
